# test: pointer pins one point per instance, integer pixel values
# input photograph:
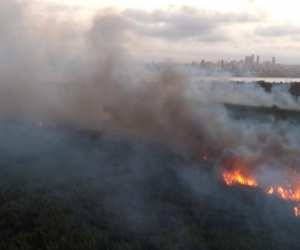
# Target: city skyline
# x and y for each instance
(251, 60)
(248, 67)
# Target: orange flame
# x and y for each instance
(271, 191)
(237, 178)
(297, 210)
(290, 191)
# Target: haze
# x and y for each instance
(194, 30)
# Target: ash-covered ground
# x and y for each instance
(64, 189)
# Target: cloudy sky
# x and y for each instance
(192, 30)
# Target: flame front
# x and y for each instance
(297, 210)
(289, 194)
(290, 191)
(271, 190)
(236, 178)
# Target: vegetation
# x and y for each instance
(267, 86)
(115, 193)
(294, 89)
(263, 113)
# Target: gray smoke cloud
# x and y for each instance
(105, 91)
(82, 76)
(246, 94)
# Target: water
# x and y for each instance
(246, 79)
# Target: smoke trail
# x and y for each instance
(109, 92)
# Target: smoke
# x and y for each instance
(13, 60)
(83, 77)
(100, 89)
(246, 94)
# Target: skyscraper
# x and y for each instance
(257, 60)
(273, 60)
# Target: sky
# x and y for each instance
(193, 30)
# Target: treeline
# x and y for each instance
(267, 86)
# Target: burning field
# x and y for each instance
(98, 152)
(288, 190)
(62, 188)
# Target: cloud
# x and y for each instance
(186, 23)
(10, 11)
(278, 30)
(295, 38)
(56, 8)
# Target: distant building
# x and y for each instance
(249, 60)
(252, 65)
(267, 64)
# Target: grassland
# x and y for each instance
(61, 190)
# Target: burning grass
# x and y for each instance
(62, 189)
(288, 190)
(235, 177)
(117, 193)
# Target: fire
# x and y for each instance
(205, 158)
(271, 190)
(289, 191)
(40, 124)
(297, 210)
(289, 194)
(237, 178)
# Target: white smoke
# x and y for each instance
(105, 91)
(245, 94)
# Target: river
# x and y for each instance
(246, 79)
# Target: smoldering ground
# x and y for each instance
(156, 127)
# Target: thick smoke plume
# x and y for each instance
(100, 88)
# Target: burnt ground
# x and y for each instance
(60, 189)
